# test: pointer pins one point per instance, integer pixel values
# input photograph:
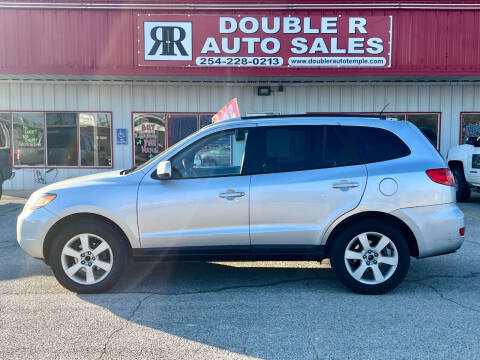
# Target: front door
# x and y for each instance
(206, 201)
(304, 179)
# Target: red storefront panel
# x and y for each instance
(89, 40)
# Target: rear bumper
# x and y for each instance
(436, 228)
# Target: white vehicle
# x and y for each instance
(464, 161)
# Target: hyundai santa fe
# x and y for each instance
(364, 191)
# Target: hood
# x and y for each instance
(103, 178)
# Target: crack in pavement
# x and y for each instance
(150, 294)
(312, 344)
(225, 288)
(439, 293)
(125, 324)
(207, 291)
(235, 287)
(472, 275)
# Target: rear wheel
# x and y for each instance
(370, 257)
(461, 185)
(88, 256)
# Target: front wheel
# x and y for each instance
(88, 256)
(370, 257)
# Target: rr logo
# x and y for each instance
(170, 41)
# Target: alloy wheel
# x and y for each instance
(87, 259)
(371, 258)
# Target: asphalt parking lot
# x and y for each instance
(274, 310)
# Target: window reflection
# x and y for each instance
(62, 147)
(28, 139)
(95, 140)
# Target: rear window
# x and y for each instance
(374, 144)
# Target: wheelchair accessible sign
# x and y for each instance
(122, 137)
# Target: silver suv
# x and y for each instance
(366, 192)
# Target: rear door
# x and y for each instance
(304, 178)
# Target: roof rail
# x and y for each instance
(383, 117)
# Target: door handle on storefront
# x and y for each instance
(345, 185)
(231, 194)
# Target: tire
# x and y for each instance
(1, 186)
(69, 241)
(461, 185)
(374, 231)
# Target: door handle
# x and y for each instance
(231, 194)
(344, 185)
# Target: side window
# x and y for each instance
(374, 144)
(298, 147)
(219, 154)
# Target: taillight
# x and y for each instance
(462, 231)
(441, 176)
(11, 158)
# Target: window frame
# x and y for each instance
(166, 113)
(461, 123)
(45, 166)
(406, 113)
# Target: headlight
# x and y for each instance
(38, 201)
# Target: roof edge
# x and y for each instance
(239, 5)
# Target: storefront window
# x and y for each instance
(396, 116)
(28, 139)
(62, 149)
(470, 126)
(149, 134)
(205, 120)
(154, 132)
(4, 131)
(428, 124)
(180, 126)
(95, 139)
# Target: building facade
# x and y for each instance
(89, 87)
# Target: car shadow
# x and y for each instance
(224, 305)
(190, 277)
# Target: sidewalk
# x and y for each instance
(24, 194)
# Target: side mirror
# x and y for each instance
(164, 170)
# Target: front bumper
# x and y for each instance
(32, 228)
(436, 227)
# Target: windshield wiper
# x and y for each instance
(127, 171)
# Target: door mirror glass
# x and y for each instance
(164, 170)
